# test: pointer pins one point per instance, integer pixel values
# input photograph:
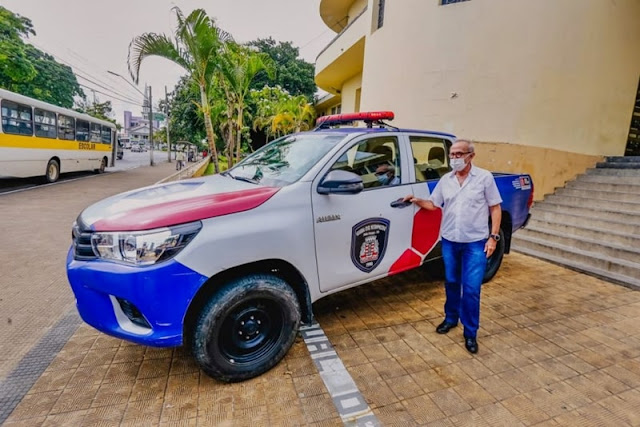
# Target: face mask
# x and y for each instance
(383, 179)
(458, 164)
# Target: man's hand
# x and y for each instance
(424, 204)
(490, 247)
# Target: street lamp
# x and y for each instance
(149, 99)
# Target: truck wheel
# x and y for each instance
(246, 328)
(494, 261)
(53, 171)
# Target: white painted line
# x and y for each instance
(353, 408)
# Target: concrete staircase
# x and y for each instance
(592, 224)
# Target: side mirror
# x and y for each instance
(341, 182)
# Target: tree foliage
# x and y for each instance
(29, 71)
(292, 73)
(197, 47)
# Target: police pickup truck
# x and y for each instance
(229, 265)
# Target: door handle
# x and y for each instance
(400, 203)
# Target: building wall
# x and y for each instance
(553, 81)
(348, 93)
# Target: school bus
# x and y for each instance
(41, 139)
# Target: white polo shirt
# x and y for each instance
(465, 209)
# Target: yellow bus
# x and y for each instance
(38, 138)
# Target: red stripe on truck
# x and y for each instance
(185, 210)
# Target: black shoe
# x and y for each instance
(471, 344)
(445, 327)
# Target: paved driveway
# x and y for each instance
(556, 348)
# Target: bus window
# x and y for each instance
(95, 132)
(82, 130)
(45, 123)
(106, 135)
(16, 118)
(66, 127)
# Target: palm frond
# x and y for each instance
(152, 44)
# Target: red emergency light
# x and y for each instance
(368, 117)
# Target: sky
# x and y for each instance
(93, 36)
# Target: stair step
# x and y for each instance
(614, 172)
(606, 179)
(584, 202)
(623, 159)
(632, 188)
(610, 247)
(618, 196)
(581, 267)
(618, 165)
(586, 221)
(571, 255)
(599, 212)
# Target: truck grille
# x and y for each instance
(82, 249)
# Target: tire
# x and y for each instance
(494, 261)
(53, 171)
(103, 166)
(246, 328)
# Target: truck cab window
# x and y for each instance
(376, 160)
(430, 159)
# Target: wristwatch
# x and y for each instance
(495, 237)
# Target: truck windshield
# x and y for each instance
(285, 160)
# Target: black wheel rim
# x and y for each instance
(251, 331)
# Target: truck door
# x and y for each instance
(431, 162)
(361, 237)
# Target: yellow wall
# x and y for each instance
(552, 74)
(548, 168)
(356, 8)
(348, 93)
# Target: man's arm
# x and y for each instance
(424, 204)
(496, 218)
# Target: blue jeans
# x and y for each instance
(464, 266)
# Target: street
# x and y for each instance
(131, 160)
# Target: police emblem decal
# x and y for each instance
(369, 242)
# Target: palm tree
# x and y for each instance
(295, 114)
(239, 68)
(197, 48)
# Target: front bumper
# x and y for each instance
(161, 294)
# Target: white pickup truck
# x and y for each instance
(230, 264)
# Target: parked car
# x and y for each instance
(230, 264)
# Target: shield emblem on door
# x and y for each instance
(369, 243)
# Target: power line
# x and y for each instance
(108, 87)
(110, 95)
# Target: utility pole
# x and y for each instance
(150, 129)
(166, 106)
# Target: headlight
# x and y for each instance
(144, 247)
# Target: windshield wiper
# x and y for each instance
(239, 178)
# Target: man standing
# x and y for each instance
(467, 195)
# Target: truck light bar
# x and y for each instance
(368, 117)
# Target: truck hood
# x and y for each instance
(174, 203)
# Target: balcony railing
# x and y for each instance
(342, 32)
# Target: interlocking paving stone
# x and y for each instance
(532, 368)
